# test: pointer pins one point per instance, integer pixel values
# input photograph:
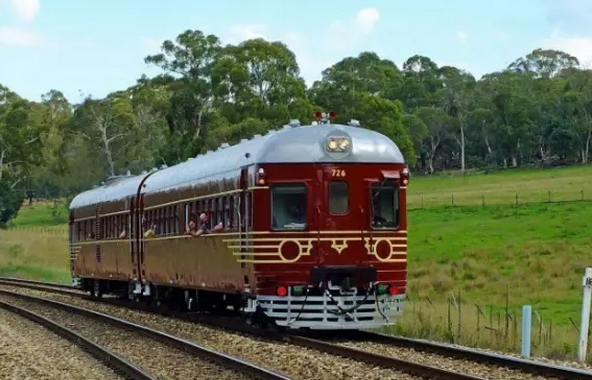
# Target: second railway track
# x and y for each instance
(158, 355)
(374, 349)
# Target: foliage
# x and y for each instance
(538, 111)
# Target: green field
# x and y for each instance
(533, 253)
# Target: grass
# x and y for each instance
(35, 254)
(528, 253)
(558, 184)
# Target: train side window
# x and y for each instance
(288, 205)
(221, 211)
(235, 212)
(385, 205)
(338, 197)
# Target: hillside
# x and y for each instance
(533, 253)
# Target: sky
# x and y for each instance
(94, 47)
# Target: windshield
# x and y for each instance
(288, 204)
(385, 205)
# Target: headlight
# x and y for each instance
(338, 144)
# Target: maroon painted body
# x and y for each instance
(303, 234)
(335, 239)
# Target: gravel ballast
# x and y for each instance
(29, 351)
(160, 360)
(451, 364)
(294, 361)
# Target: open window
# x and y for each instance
(385, 205)
(288, 205)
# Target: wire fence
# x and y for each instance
(433, 199)
(49, 230)
(488, 326)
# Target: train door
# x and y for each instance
(244, 212)
(245, 225)
(134, 241)
(141, 230)
(98, 237)
(337, 197)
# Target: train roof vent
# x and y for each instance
(243, 141)
(209, 152)
(224, 145)
(354, 123)
(129, 174)
(271, 131)
(199, 155)
(293, 123)
(164, 166)
(144, 172)
(256, 136)
(314, 123)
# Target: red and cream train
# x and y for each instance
(314, 230)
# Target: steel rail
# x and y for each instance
(34, 282)
(222, 359)
(412, 368)
(102, 354)
(523, 365)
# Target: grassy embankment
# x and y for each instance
(536, 253)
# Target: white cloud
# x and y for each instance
(578, 46)
(242, 32)
(310, 65)
(26, 10)
(461, 36)
(151, 44)
(20, 37)
(340, 34)
(344, 34)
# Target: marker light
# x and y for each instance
(382, 289)
(282, 291)
(261, 176)
(405, 176)
(393, 290)
(298, 290)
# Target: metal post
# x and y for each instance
(526, 324)
(585, 321)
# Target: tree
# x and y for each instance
(20, 146)
(438, 125)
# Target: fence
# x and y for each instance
(432, 199)
(51, 230)
(487, 326)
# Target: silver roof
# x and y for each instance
(304, 144)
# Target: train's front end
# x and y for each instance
(331, 251)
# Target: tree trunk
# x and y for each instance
(489, 150)
(586, 150)
(462, 149)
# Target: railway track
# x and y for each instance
(162, 356)
(104, 355)
(419, 358)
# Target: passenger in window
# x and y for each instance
(378, 219)
(203, 226)
(297, 214)
(151, 232)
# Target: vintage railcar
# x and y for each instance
(314, 230)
